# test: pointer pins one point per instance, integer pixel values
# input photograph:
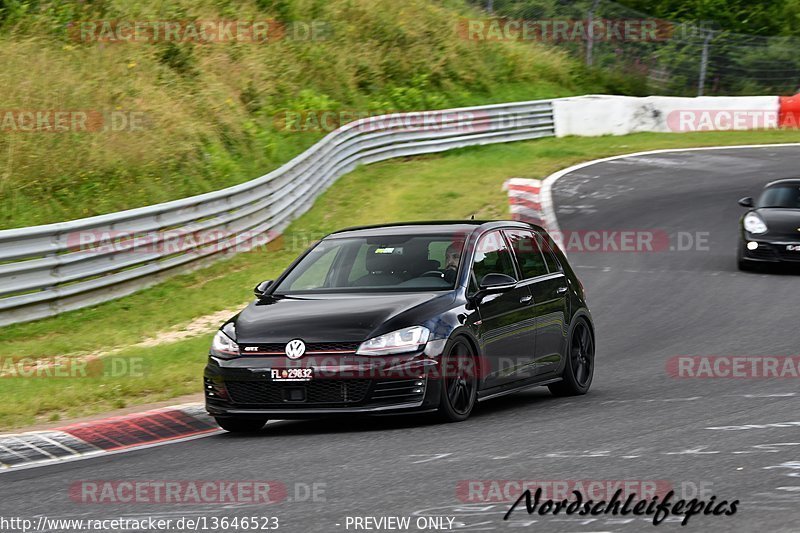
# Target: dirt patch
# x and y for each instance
(198, 326)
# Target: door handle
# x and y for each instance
(561, 290)
(526, 299)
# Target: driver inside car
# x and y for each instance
(452, 257)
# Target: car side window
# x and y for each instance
(528, 253)
(549, 255)
(492, 256)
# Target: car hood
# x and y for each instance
(781, 221)
(333, 318)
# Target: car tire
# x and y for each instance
(241, 425)
(459, 381)
(579, 365)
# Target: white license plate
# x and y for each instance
(291, 374)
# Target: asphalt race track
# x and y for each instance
(637, 422)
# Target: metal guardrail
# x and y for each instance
(44, 270)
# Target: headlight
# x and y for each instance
(224, 344)
(754, 224)
(400, 341)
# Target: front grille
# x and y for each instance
(330, 391)
(280, 347)
(332, 347)
(347, 391)
(254, 392)
(786, 255)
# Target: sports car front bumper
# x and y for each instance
(771, 251)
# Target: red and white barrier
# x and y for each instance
(524, 199)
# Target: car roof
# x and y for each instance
(784, 181)
(427, 227)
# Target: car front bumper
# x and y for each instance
(348, 385)
(771, 250)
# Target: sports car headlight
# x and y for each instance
(400, 341)
(224, 344)
(754, 224)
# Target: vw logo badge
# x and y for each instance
(295, 349)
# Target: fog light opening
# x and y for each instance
(752, 245)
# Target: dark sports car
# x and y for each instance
(770, 230)
(415, 317)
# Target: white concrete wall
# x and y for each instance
(595, 115)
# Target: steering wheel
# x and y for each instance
(431, 273)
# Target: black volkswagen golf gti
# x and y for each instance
(413, 317)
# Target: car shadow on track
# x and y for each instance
(503, 406)
(778, 270)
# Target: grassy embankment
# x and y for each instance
(206, 113)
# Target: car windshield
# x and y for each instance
(377, 264)
(785, 196)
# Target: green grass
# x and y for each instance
(452, 185)
(128, 378)
(209, 109)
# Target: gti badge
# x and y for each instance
(295, 349)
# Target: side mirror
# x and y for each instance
(261, 288)
(746, 202)
(493, 284)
